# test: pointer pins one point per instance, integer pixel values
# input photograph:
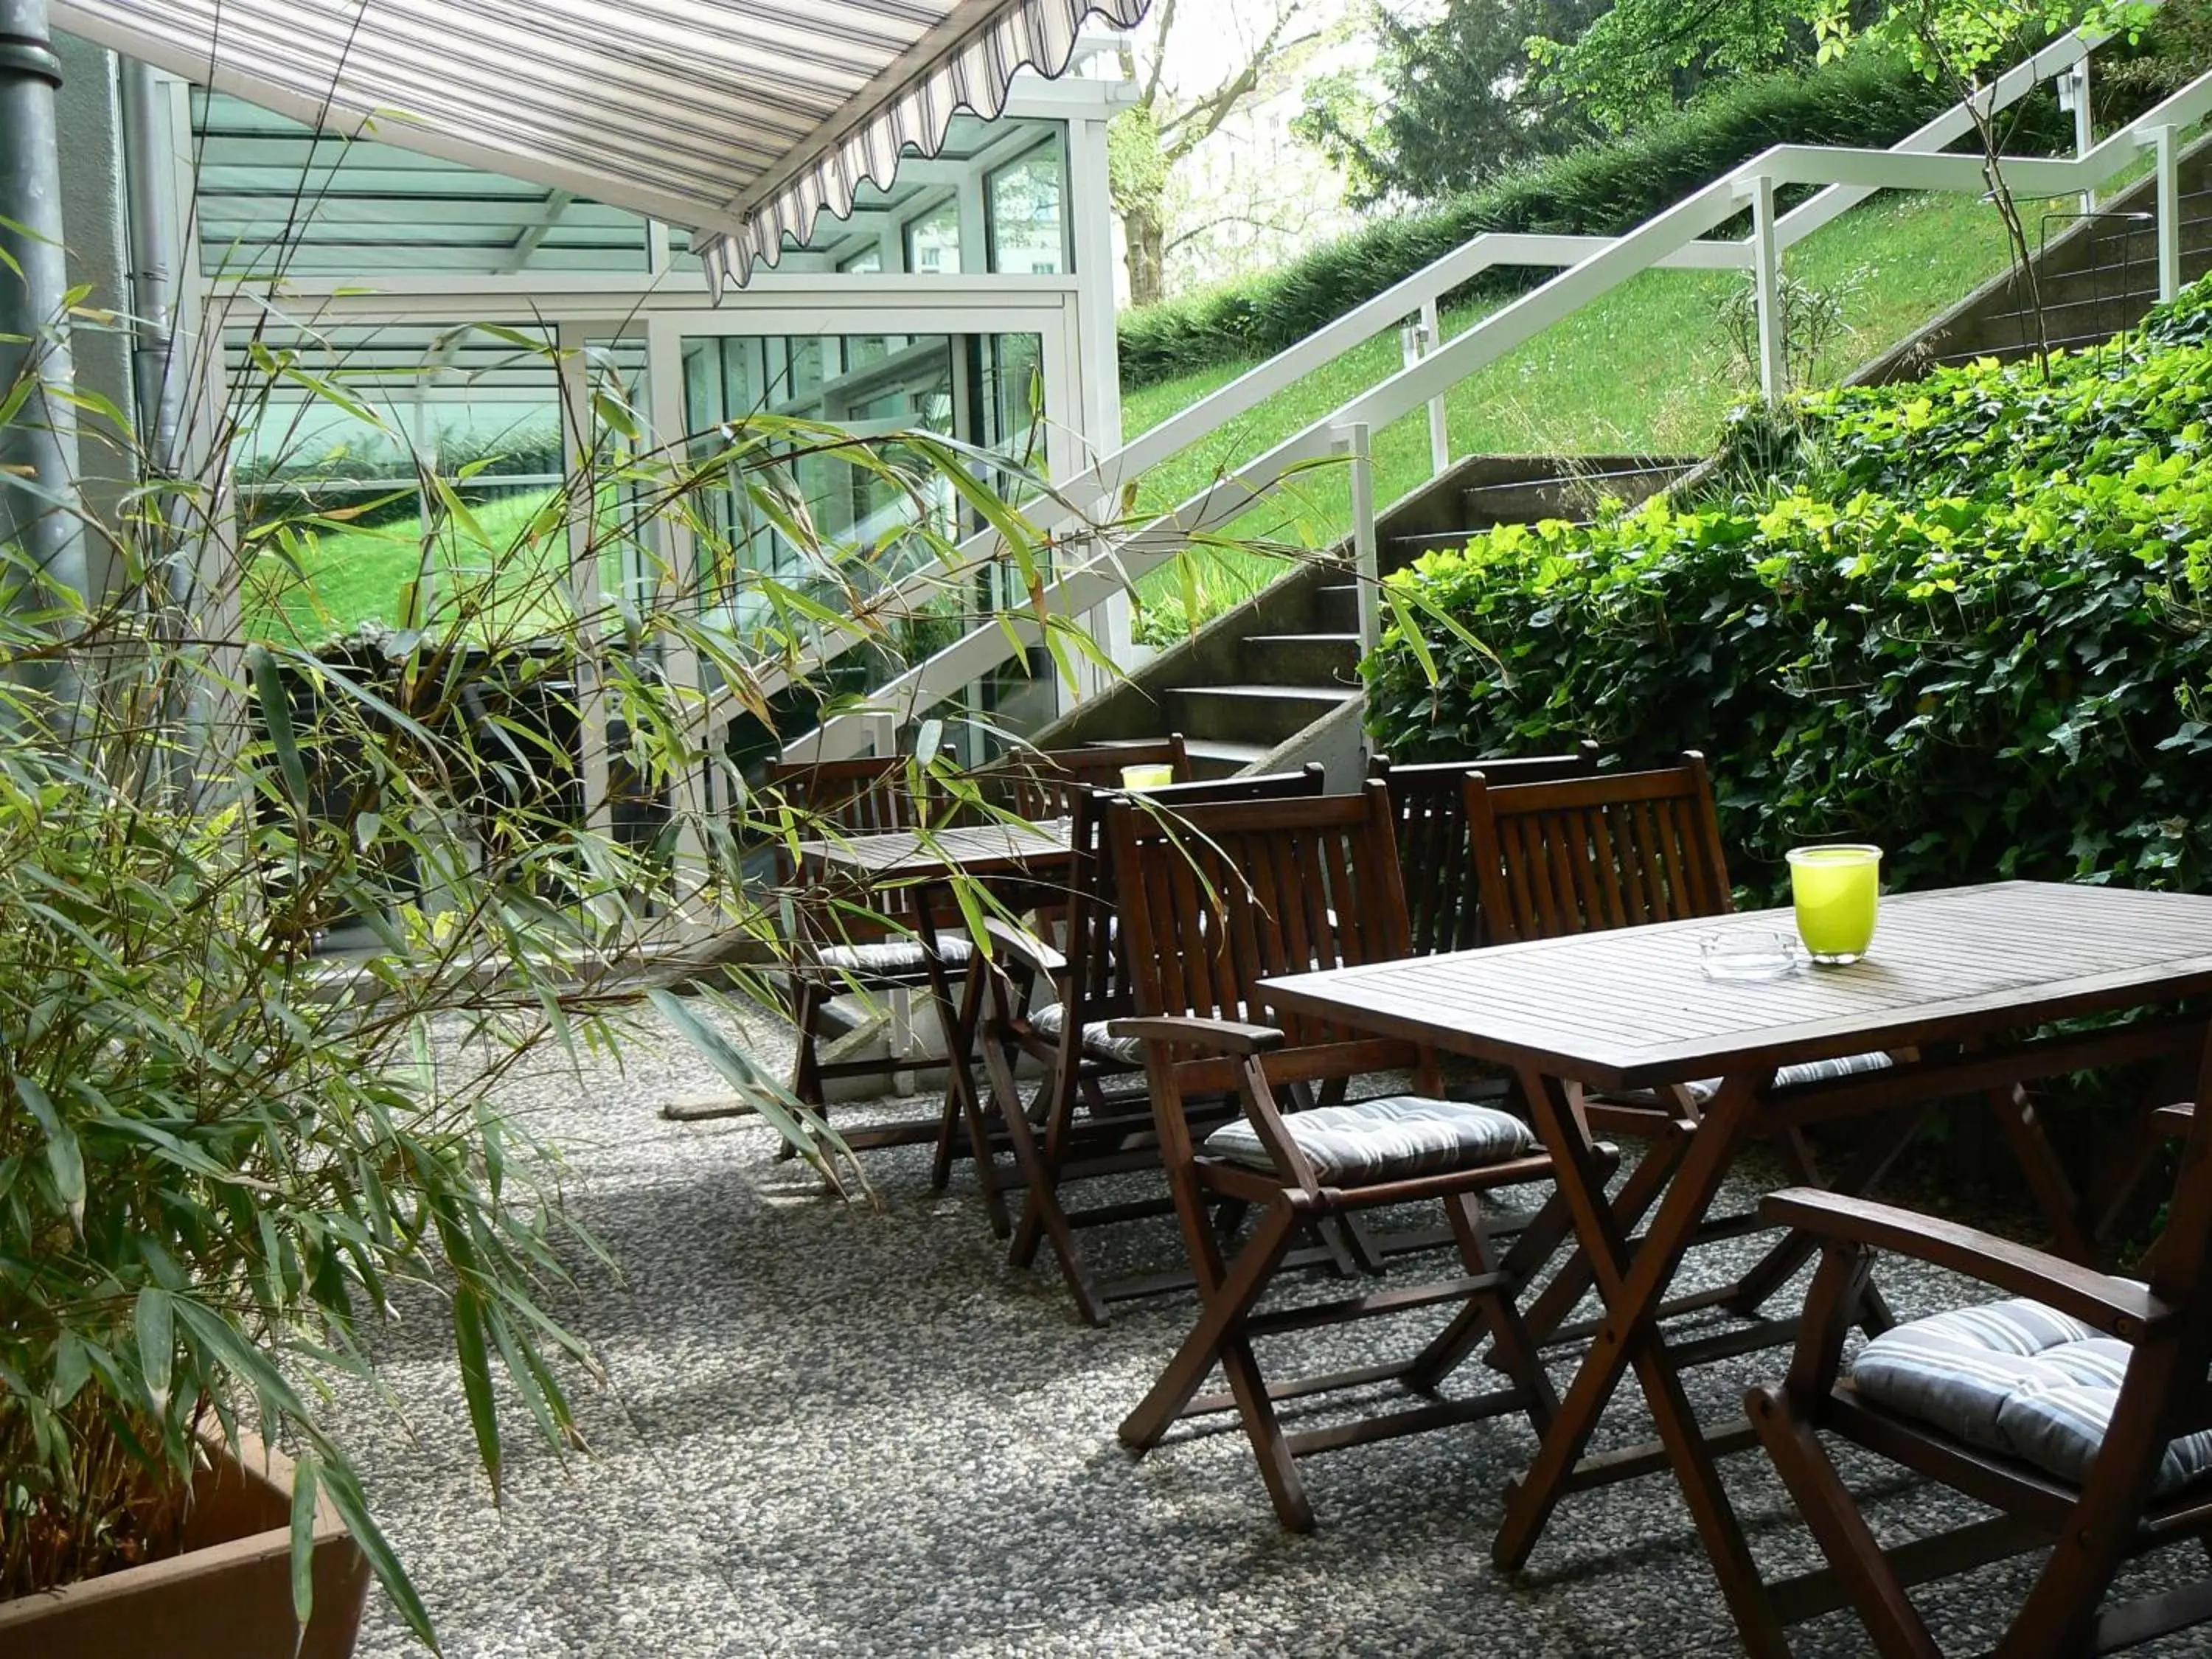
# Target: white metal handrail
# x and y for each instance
(1595, 266)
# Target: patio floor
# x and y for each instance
(849, 1430)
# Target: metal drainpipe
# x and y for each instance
(38, 448)
(153, 241)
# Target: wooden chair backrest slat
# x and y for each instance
(1218, 898)
(868, 796)
(1428, 805)
(1579, 855)
(1099, 985)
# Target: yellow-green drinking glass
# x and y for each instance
(1836, 890)
(1147, 777)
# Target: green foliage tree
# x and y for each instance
(1169, 120)
(1458, 100)
(1641, 58)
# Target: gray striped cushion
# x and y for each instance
(1811, 1071)
(1098, 1041)
(1386, 1138)
(2016, 1378)
(890, 957)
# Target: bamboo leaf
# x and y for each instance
(155, 1319)
(275, 708)
(476, 1381)
(64, 1157)
(304, 1487)
(343, 1490)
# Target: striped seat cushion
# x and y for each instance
(2016, 1378)
(1098, 1041)
(1811, 1071)
(890, 959)
(1387, 1139)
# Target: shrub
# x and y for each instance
(1867, 99)
(1967, 626)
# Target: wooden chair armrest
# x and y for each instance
(2117, 1307)
(1025, 948)
(1225, 1036)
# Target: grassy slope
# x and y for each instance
(1646, 368)
(360, 576)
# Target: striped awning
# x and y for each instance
(745, 120)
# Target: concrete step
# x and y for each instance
(1252, 714)
(1299, 659)
(1211, 758)
(1567, 494)
(1523, 501)
(1336, 608)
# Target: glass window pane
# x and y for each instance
(932, 241)
(1026, 202)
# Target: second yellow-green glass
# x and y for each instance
(1837, 890)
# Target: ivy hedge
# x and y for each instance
(1868, 98)
(1967, 620)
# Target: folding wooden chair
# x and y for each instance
(2078, 1409)
(851, 942)
(1618, 849)
(1428, 806)
(1084, 1130)
(1211, 904)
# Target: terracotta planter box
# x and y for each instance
(228, 1596)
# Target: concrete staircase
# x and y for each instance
(2097, 276)
(1275, 682)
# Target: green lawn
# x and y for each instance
(1647, 368)
(348, 577)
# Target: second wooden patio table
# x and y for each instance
(932, 860)
(1957, 985)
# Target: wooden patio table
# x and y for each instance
(1956, 986)
(927, 859)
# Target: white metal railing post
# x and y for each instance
(1357, 438)
(1432, 330)
(1416, 341)
(2073, 96)
(2168, 143)
(1767, 276)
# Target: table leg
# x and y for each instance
(957, 1022)
(1632, 1287)
(2130, 1165)
(2046, 1176)
(1042, 1199)
(1889, 1137)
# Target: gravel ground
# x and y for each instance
(837, 1429)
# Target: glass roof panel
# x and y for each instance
(274, 195)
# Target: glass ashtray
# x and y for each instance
(1750, 953)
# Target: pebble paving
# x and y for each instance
(853, 1430)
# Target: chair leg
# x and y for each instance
(1279, 1469)
(1226, 1299)
(808, 1003)
(1887, 1139)
(1841, 1531)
